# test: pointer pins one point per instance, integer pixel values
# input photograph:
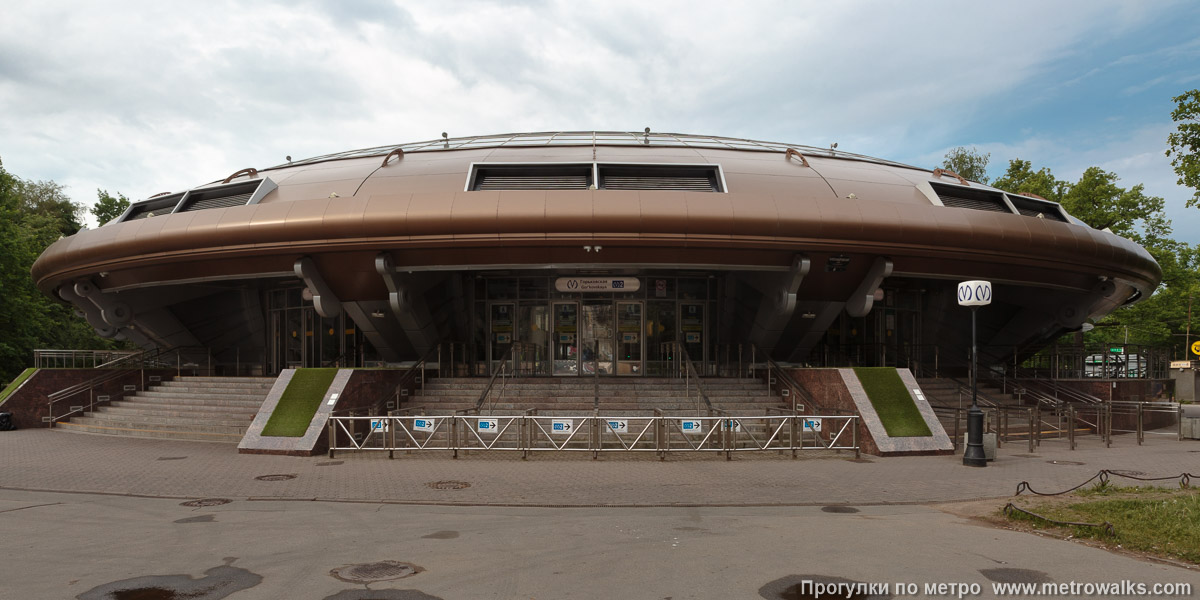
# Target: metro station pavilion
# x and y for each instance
(594, 248)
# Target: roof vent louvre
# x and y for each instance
(961, 197)
(226, 196)
(532, 177)
(678, 178)
(161, 205)
(1037, 208)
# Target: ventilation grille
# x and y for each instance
(162, 205)
(659, 177)
(532, 177)
(956, 197)
(533, 182)
(1037, 208)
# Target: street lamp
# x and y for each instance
(974, 294)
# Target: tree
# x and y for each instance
(32, 216)
(1020, 178)
(1097, 200)
(1185, 142)
(969, 163)
(107, 207)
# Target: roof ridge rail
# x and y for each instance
(250, 171)
(398, 152)
(938, 173)
(794, 152)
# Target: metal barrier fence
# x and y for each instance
(1032, 424)
(660, 433)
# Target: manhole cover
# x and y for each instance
(448, 485)
(1127, 473)
(1065, 462)
(205, 502)
(386, 570)
(278, 477)
(843, 510)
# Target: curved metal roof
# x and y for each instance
(592, 138)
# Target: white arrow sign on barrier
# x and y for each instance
(424, 424)
(618, 426)
(688, 426)
(378, 424)
(487, 426)
(563, 426)
(812, 424)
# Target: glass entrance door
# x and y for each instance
(691, 331)
(501, 326)
(565, 355)
(597, 333)
(629, 338)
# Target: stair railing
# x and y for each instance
(687, 369)
(512, 355)
(778, 378)
(113, 370)
(407, 381)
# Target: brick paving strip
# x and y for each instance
(49, 460)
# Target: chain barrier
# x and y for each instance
(1106, 527)
(1185, 481)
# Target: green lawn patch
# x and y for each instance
(1160, 521)
(16, 383)
(892, 402)
(299, 403)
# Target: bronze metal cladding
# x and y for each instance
(343, 211)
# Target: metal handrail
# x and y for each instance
(406, 379)
(46, 358)
(116, 370)
(505, 362)
(689, 369)
(776, 372)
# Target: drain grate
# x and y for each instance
(844, 510)
(385, 570)
(448, 485)
(276, 477)
(201, 503)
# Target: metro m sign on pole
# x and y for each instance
(975, 293)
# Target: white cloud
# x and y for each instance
(152, 96)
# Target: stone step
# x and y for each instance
(197, 414)
(160, 408)
(218, 387)
(152, 433)
(196, 400)
(159, 393)
(185, 426)
(126, 419)
(207, 379)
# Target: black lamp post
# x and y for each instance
(974, 294)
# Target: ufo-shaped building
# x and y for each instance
(593, 248)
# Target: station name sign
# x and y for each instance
(597, 284)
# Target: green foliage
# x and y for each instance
(1157, 521)
(32, 216)
(1097, 200)
(16, 383)
(107, 207)
(299, 402)
(1184, 142)
(890, 397)
(1020, 178)
(969, 163)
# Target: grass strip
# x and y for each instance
(895, 407)
(1160, 521)
(299, 403)
(16, 383)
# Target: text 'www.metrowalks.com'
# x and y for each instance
(1116, 589)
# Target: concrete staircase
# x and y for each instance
(215, 409)
(619, 396)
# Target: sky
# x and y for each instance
(139, 98)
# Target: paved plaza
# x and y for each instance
(88, 516)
